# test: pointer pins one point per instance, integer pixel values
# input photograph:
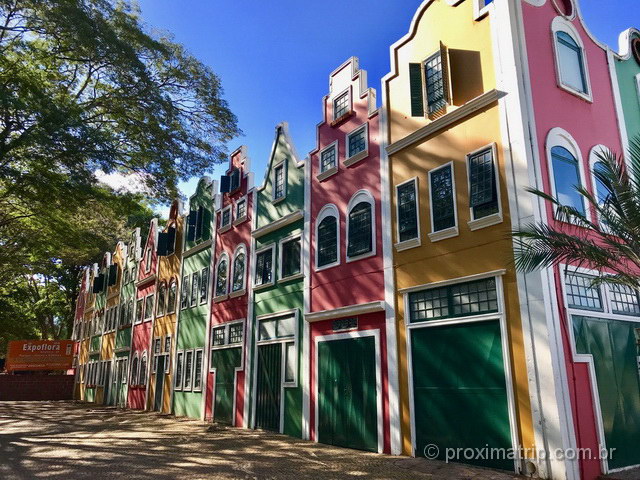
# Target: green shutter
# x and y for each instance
(191, 225)
(415, 79)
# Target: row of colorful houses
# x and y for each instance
(365, 296)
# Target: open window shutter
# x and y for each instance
(162, 244)
(97, 288)
(446, 84)
(225, 184)
(171, 241)
(191, 226)
(417, 100)
(113, 275)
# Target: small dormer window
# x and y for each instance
(225, 217)
(328, 159)
(147, 260)
(341, 106)
(571, 63)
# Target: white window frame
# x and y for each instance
(216, 297)
(593, 159)
(285, 169)
(638, 86)
(352, 160)
(329, 210)
(173, 281)
(323, 175)
(558, 137)
(133, 381)
(412, 242)
(184, 370)
(150, 317)
(179, 355)
(272, 247)
(281, 243)
(436, 236)
(227, 328)
(144, 375)
(157, 303)
(135, 315)
(333, 103)
(560, 24)
(240, 249)
(480, 9)
(193, 303)
(208, 277)
(358, 197)
(202, 369)
(224, 228)
(148, 260)
(238, 220)
(167, 354)
(185, 292)
(495, 218)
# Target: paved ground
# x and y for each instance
(71, 441)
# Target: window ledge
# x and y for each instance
(484, 222)
(297, 276)
(263, 286)
(342, 118)
(275, 201)
(226, 228)
(407, 244)
(577, 93)
(362, 256)
(356, 158)
(327, 266)
(327, 173)
(239, 221)
(220, 298)
(444, 234)
(238, 293)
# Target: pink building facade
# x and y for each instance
(345, 302)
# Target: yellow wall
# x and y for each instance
(471, 252)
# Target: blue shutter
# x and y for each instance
(225, 184)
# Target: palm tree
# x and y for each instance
(607, 242)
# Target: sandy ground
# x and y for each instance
(66, 440)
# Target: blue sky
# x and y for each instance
(274, 57)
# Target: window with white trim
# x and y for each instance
(241, 209)
(239, 263)
(195, 285)
(179, 368)
(407, 210)
(157, 351)
(290, 251)
(143, 370)
(341, 105)
(264, 267)
(360, 228)
(197, 371)
(204, 285)
(483, 188)
(139, 310)
(357, 141)
(162, 299)
(148, 307)
(225, 217)
(327, 238)
(134, 369)
(583, 294)
(442, 193)
(172, 297)
(279, 181)
(188, 370)
(571, 62)
(566, 176)
(329, 158)
(184, 298)
(221, 277)
(229, 334)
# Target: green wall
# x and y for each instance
(627, 71)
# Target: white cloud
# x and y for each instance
(132, 182)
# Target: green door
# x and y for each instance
(613, 345)
(269, 384)
(107, 385)
(347, 403)
(225, 362)
(460, 392)
(159, 387)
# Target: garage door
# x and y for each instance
(460, 392)
(347, 403)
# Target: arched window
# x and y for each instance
(570, 58)
(327, 243)
(171, 298)
(238, 271)
(162, 298)
(221, 277)
(360, 230)
(566, 176)
(143, 370)
(134, 370)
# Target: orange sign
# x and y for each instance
(39, 355)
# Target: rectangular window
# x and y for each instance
(291, 257)
(241, 209)
(225, 218)
(275, 328)
(483, 194)
(328, 159)
(188, 370)
(194, 288)
(184, 299)
(197, 374)
(148, 307)
(341, 106)
(157, 346)
(235, 333)
(179, 360)
(204, 284)
(291, 361)
(458, 300)
(235, 180)
(435, 83)
(139, 310)
(581, 294)
(217, 336)
(624, 300)
(279, 182)
(407, 211)
(264, 267)
(443, 213)
(357, 141)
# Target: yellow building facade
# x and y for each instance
(462, 372)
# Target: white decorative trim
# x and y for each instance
(240, 249)
(359, 197)
(285, 175)
(483, 222)
(327, 173)
(477, 223)
(218, 298)
(281, 242)
(480, 10)
(350, 310)
(357, 158)
(278, 224)
(561, 24)
(271, 246)
(329, 210)
(453, 281)
(238, 220)
(407, 244)
(444, 234)
(412, 242)
(330, 171)
(466, 110)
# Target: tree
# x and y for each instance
(608, 241)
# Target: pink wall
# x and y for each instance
(232, 308)
(589, 124)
